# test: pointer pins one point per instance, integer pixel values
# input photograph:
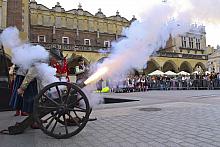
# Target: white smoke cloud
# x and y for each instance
(205, 10)
(10, 38)
(143, 38)
(94, 98)
(46, 73)
(151, 33)
(26, 55)
(23, 54)
(202, 12)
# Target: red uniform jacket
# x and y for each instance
(62, 69)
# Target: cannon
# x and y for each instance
(61, 110)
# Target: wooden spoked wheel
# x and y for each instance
(61, 110)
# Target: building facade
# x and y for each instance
(80, 32)
(76, 27)
(214, 61)
(186, 52)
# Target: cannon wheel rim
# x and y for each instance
(38, 119)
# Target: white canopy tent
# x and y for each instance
(195, 72)
(183, 73)
(207, 73)
(170, 73)
(156, 72)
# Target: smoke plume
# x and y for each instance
(47, 73)
(205, 11)
(151, 33)
(10, 38)
(142, 39)
(26, 55)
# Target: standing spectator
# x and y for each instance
(81, 70)
(23, 103)
(218, 79)
(143, 80)
(16, 100)
(99, 85)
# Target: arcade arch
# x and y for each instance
(73, 62)
(200, 67)
(186, 66)
(102, 59)
(151, 66)
(170, 65)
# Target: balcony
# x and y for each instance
(73, 47)
(179, 55)
(193, 49)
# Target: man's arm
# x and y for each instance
(31, 74)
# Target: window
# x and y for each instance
(86, 41)
(198, 43)
(183, 42)
(41, 38)
(65, 40)
(190, 42)
(106, 43)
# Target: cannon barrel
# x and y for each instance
(81, 85)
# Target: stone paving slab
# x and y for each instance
(184, 124)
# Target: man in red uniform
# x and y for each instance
(60, 63)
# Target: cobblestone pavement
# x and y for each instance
(187, 118)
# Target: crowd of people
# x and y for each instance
(137, 83)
